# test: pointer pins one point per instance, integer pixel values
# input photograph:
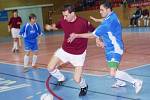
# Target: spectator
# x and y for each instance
(146, 17)
(135, 17)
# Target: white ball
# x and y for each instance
(46, 96)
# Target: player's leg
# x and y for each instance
(34, 59)
(128, 78)
(14, 39)
(80, 80)
(78, 61)
(17, 44)
(17, 40)
(122, 76)
(15, 33)
(26, 61)
(27, 49)
(34, 48)
(57, 59)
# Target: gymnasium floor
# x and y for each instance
(15, 85)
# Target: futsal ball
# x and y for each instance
(46, 96)
(47, 27)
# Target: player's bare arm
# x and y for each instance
(50, 27)
(84, 35)
(99, 43)
(96, 19)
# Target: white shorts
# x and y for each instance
(15, 32)
(75, 60)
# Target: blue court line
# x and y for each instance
(78, 88)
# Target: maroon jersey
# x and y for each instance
(79, 26)
(15, 22)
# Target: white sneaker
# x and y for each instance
(62, 78)
(119, 84)
(138, 86)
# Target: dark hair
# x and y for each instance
(69, 7)
(14, 11)
(32, 15)
(107, 4)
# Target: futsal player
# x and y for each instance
(30, 33)
(110, 33)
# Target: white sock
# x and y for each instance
(123, 76)
(34, 59)
(57, 74)
(26, 60)
(82, 83)
(147, 22)
(13, 46)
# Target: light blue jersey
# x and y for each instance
(30, 34)
(110, 31)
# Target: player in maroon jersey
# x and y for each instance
(14, 27)
(74, 52)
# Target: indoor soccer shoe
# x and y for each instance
(26, 69)
(138, 86)
(119, 84)
(59, 83)
(83, 91)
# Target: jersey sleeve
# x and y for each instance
(101, 29)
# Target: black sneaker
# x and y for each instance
(59, 83)
(83, 91)
(13, 50)
(17, 50)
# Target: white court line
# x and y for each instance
(83, 73)
(14, 87)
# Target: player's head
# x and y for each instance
(15, 13)
(105, 8)
(32, 18)
(69, 13)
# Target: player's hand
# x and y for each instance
(72, 37)
(99, 43)
(48, 27)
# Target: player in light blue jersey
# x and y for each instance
(109, 36)
(30, 32)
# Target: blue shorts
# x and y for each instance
(115, 57)
(31, 46)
